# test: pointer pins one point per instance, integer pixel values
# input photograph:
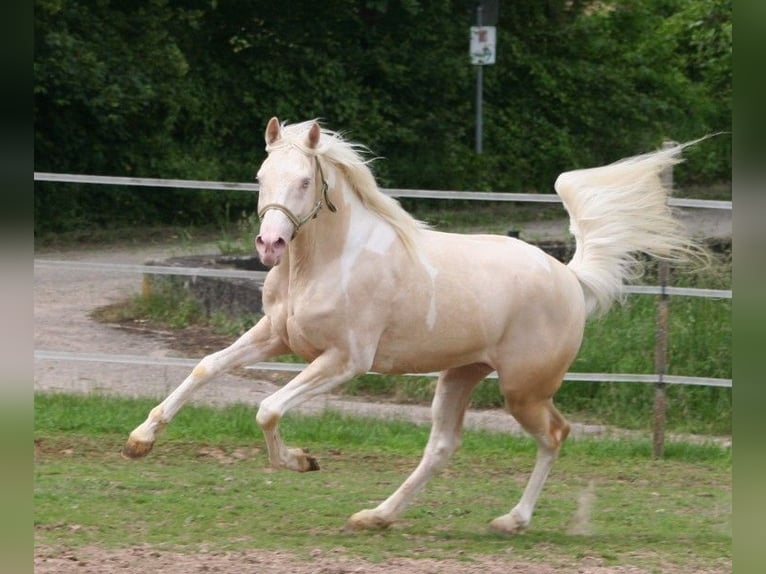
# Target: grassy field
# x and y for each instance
(207, 486)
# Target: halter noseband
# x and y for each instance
(299, 222)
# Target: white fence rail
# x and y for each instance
(259, 276)
(411, 193)
(43, 354)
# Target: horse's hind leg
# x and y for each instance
(549, 428)
(450, 401)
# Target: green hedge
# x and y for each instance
(184, 90)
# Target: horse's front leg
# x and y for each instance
(323, 374)
(257, 344)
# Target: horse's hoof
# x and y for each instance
(136, 449)
(301, 461)
(508, 524)
(366, 520)
(312, 462)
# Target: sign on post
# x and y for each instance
(482, 45)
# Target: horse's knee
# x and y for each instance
(209, 366)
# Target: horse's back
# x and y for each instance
(517, 272)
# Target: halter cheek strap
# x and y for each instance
(299, 222)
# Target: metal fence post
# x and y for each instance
(661, 337)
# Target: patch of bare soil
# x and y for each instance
(194, 341)
(139, 560)
(197, 341)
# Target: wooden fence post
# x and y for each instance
(661, 338)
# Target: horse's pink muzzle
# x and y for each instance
(270, 251)
(271, 243)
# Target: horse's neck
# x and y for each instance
(335, 235)
(321, 240)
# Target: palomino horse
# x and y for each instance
(358, 285)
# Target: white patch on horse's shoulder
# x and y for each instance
(351, 251)
(347, 261)
(381, 239)
(366, 232)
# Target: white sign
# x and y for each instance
(482, 45)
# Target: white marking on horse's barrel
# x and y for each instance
(432, 274)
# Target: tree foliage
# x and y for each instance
(184, 89)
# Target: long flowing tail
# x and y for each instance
(616, 212)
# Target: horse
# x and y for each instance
(357, 284)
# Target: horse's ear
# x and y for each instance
(314, 133)
(272, 131)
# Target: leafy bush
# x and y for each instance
(160, 89)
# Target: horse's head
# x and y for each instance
(292, 189)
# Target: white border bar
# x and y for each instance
(43, 355)
(260, 276)
(410, 193)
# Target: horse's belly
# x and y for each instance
(400, 363)
(414, 349)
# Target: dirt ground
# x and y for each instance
(140, 560)
(63, 301)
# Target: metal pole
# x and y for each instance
(661, 338)
(660, 364)
(479, 91)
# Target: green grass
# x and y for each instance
(90, 237)
(207, 483)
(168, 305)
(463, 216)
(623, 341)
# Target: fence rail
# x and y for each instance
(259, 276)
(42, 354)
(393, 192)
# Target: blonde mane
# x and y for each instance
(348, 157)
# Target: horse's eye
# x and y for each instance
(305, 183)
